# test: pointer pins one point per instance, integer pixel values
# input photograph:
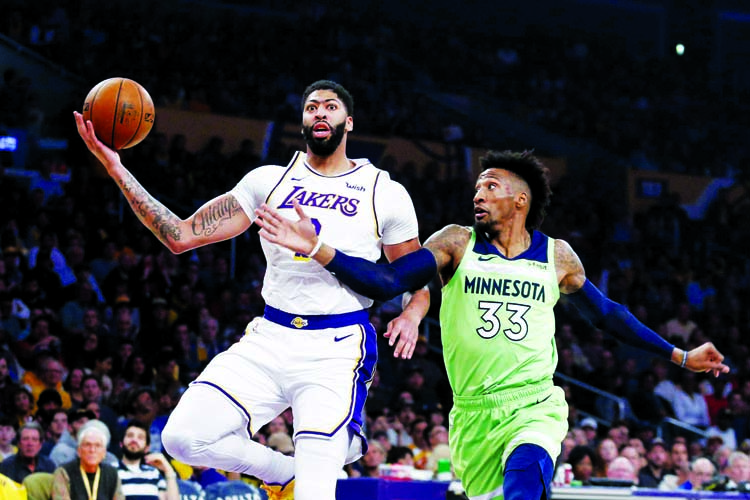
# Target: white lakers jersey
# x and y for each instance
(356, 212)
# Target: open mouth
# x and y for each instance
(321, 130)
(480, 213)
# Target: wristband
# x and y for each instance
(315, 248)
(684, 358)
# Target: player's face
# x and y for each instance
(497, 192)
(325, 122)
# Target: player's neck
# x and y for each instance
(512, 240)
(335, 164)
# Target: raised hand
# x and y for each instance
(298, 236)
(706, 358)
(108, 157)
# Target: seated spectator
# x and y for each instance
(72, 385)
(681, 327)
(632, 454)
(21, 407)
(66, 447)
(622, 468)
(79, 478)
(7, 384)
(656, 467)
(689, 404)
(702, 471)
(56, 423)
(7, 435)
(371, 461)
(724, 429)
(738, 468)
(607, 451)
(145, 475)
(47, 375)
(27, 460)
(583, 459)
(281, 442)
(401, 455)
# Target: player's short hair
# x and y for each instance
(529, 168)
(339, 89)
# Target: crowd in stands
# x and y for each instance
(99, 321)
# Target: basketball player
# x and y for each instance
(314, 348)
(501, 280)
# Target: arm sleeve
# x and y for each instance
(618, 321)
(384, 281)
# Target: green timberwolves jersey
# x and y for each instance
(497, 317)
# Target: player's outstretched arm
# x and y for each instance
(217, 220)
(377, 281)
(620, 323)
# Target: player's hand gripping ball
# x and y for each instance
(121, 111)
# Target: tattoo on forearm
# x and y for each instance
(207, 221)
(163, 222)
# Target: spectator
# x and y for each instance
(21, 407)
(689, 404)
(57, 426)
(681, 327)
(92, 393)
(144, 475)
(702, 471)
(48, 375)
(72, 385)
(282, 442)
(371, 461)
(622, 469)
(7, 385)
(632, 454)
(652, 474)
(738, 469)
(66, 447)
(583, 460)
(400, 455)
(724, 429)
(607, 451)
(82, 476)
(7, 435)
(27, 460)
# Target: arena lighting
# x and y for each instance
(679, 49)
(8, 143)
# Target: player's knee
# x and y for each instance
(528, 473)
(181, 443)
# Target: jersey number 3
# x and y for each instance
(490, 315)
(317, 226)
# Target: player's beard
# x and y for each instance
(326, 146)
(133, 455)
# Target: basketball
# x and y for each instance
(121, 111)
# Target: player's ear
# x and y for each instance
(349, 124)
(522, 199)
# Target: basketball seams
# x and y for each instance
(140, 118)
(114, 115)
(118, 118)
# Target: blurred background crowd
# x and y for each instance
(98, 320)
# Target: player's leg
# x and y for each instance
(319, 463)
(207, 428)
(328, 405)
(528, 473)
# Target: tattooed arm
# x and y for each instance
(217, 220)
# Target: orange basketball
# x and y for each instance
(122, 112)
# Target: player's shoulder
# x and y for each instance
(452, 235)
